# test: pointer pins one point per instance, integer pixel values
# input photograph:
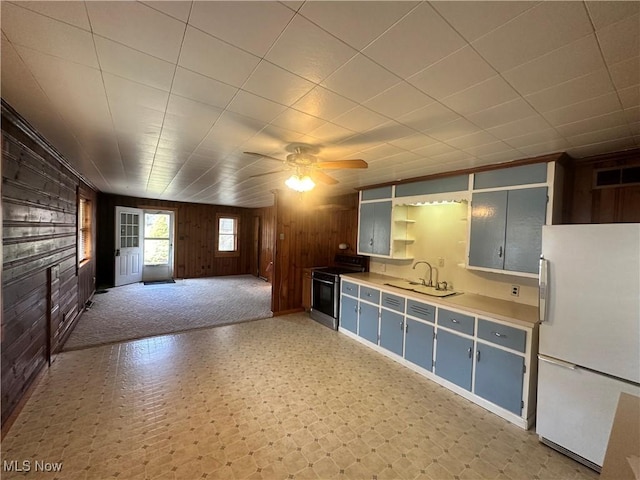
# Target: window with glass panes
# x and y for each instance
(84, 230)
(227, 235)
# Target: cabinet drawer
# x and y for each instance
(350, 288)
(394, 302)
(421, 310)
(504, 335)
(455, 321)
(370, 294)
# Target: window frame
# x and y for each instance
(227, 253)
(84, 230)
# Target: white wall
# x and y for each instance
(441, 231)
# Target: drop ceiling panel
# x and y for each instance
(309, 51)
(139, 27)
(160, 99)
(564, 23)
(251, 26)
(29, 29)
(209, 56)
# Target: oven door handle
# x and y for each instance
(323, 281)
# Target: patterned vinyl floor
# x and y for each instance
(280, 398)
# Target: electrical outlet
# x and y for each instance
(440, 262)
(515, 290)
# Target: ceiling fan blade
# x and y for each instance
(263, 155)
(323, 178)
(267, 173)
(356, 163)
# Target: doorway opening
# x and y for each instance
(158, 245)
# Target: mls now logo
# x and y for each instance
(28, 466)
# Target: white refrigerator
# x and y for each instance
(589, 349)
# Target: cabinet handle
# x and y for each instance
(500, 251)
(453, 320)
(478, 356)
(356, 309)
(470, 352)
(499, 335)
(371, 242)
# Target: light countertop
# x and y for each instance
(512, 312)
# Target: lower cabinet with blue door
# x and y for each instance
(490, 362)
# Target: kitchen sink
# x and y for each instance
(419, 288)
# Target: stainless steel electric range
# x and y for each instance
(325, 287)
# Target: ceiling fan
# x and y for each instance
(307, 166)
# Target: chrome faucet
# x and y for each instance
(430, 284)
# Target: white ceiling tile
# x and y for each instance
(201, 88)
(468, 142)
(603, 147)
(133, 64)
(474, 19)
(348, 79)
(274, 83)
(593, 107)
(545, 148)
(251, 26)
(500, 157)
(599, 136)
(323, 103)
(629, 97)
(486, 94)
(133, 95)
(29, 29)
(428, 117)
(579, 89)
(398, 100)
(360, 119)
(139, 27)
(531, 124)
(502, 113)
(534, 138)
(423, 37)
(541, 29)
(280, 135)
(356, 23)
(176, 9)
(297, 121)
(73, 13)
(457, 128)
(453, 73)
(621, 40)
(209, 56)
(604, 13)
(331, 133)
(488, 149)
(253, 106)
(571, 61)
(609, 120)
(308, 51)
(413, 142)
(626, 74)
(632, 114)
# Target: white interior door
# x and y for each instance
(158, 245)
(129, 245)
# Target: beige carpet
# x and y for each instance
(138, 310)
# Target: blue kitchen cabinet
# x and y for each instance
(454, 358)
(499, 377)
(506, 229)
(418, 346)
(368, 328)
(392, 331)
(374, 230)
(349, 313)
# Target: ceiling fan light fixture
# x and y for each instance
(300, 183)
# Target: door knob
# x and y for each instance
(117, 252)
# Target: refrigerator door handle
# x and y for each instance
(542, 288)
(555, 361)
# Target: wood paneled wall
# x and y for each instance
(586, 204)
(308, 231)
(266, 242)
(194, 238)
(43, 290)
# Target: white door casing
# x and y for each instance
(129, 245)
